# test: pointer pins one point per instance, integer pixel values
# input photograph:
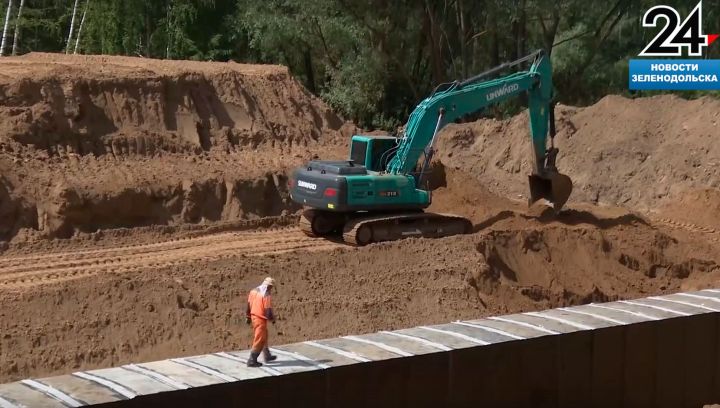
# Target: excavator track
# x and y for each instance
(305, 225)
(315, 223)
(366, 230)
(711, 234)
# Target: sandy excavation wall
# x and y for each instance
(189, 201)
(64, 207)
(119, 105)
(97, 142)
(634, 153)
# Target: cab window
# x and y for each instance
(357, 152)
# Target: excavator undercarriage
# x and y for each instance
(364, 228)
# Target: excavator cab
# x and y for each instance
(373, 152)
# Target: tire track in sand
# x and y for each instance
(29, 270)
(148, 247)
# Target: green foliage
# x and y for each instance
(356, 87)
(371, 60)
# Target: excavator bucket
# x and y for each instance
(554, 187)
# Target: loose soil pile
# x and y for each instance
(632, 153)
(166, 181)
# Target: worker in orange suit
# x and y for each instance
(259, 312)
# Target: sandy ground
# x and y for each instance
(163, 295)
(114, 253)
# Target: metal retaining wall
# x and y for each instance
(653, 352)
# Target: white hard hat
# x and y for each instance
(269, 281)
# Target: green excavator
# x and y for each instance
(380, 192)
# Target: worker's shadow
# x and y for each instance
(575, 217)
(297, 363)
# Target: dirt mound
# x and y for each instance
(96, 142)
(619, 151)
(120, 105)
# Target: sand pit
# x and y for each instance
(115, 251)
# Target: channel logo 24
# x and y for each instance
(673, 37)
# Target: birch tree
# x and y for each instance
(16, 33)
(169, 30)
(72, 27)
(82, 23)
(5, 28)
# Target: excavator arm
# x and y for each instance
(453, 101)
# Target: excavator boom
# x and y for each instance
(462, 98)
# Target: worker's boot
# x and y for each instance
(268, 357)
(252, 361)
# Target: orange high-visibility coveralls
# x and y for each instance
(260, 311)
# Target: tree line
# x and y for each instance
(371, 60)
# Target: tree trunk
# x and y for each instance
(515, 29)
(309, 71)
(72, 28)
(82, 23)
(494, 44)
(5, 29)
(16, 33)
(419, 55)
(462, 23)
(521, 31)
(169, 31)
(549, 32)
(147, 31)
(601, 34)
(435, 45)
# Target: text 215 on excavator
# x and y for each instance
(377, 195)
